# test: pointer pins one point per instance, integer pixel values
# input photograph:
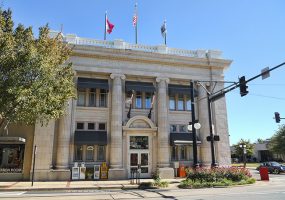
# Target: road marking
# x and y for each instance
(11, 193)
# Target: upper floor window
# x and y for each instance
(179, 97)
(142, 94)
(92, 92)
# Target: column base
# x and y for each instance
(60, 175)
(166, 173)
(117, 174)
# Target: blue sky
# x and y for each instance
(251, 33)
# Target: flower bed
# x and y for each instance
(204, 177)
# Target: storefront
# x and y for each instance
(12, 156)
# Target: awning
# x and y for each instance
(90, 138)
(139, 86)
(181, 139)
(92, 83)
(181, 89)
(12, 140)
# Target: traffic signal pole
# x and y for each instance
(242, 83)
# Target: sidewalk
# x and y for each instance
(77, 185)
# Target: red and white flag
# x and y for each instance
(109, 26)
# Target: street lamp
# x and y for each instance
(193, 126)
(243, 146)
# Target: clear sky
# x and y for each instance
(251, 33)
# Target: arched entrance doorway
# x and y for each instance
(140, 138)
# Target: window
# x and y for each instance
(188, 103)
(101, 153)
(11, 158)
(138, 100)
(80, 126)
(179, 102)
(103, 98)
(172, 103)
(183, 128)
(102, 127)
(89, 153)
(178, 153)
(138, 142)
(91, 126)
(141, 100)
(173, 128)
(78, 154)
(182, 152)
(81, 97)
(92, 98)
(174, 153)
(148, 97)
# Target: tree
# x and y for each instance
(239, 149)
(35, 81)
(277, 141)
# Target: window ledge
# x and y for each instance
(179, 111)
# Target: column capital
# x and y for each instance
(121, 76)
(159, 79)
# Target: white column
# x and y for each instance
(63, 140)
(116, 144)
(163, 156)
(205, 148)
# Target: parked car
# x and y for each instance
(273, 167)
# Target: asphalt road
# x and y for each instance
(274, 189)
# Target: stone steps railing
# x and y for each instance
(120, 44)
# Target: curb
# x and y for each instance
(70, 188)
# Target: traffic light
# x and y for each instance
(242, 86)
(277, 117)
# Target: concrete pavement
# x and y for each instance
(77, 185)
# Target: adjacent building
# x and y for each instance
(132, 110)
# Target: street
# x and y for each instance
(274, 189)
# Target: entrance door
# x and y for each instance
(139, 156)
(140, 159)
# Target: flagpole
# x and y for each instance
(105, 25)
(136, 13)
(165, 33)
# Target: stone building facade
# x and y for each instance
(132, 109)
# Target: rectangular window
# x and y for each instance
(92, 98)
(101, 153)
(103, 98)
(102, 127)
(173, 128)
(91, 126)
(172, 103)
(148, 98)
(174, 153)
(138, 142)
(78, 154)
(80, 126)
(138, 99)
(81, 93)
(11, 158)
(182, 152)
(180, 103)
(183, 128)
(188, 103)
(89, 153)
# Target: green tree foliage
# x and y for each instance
(239, 150)
(35, 81)
(277, 141)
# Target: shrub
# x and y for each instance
(205, 177)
